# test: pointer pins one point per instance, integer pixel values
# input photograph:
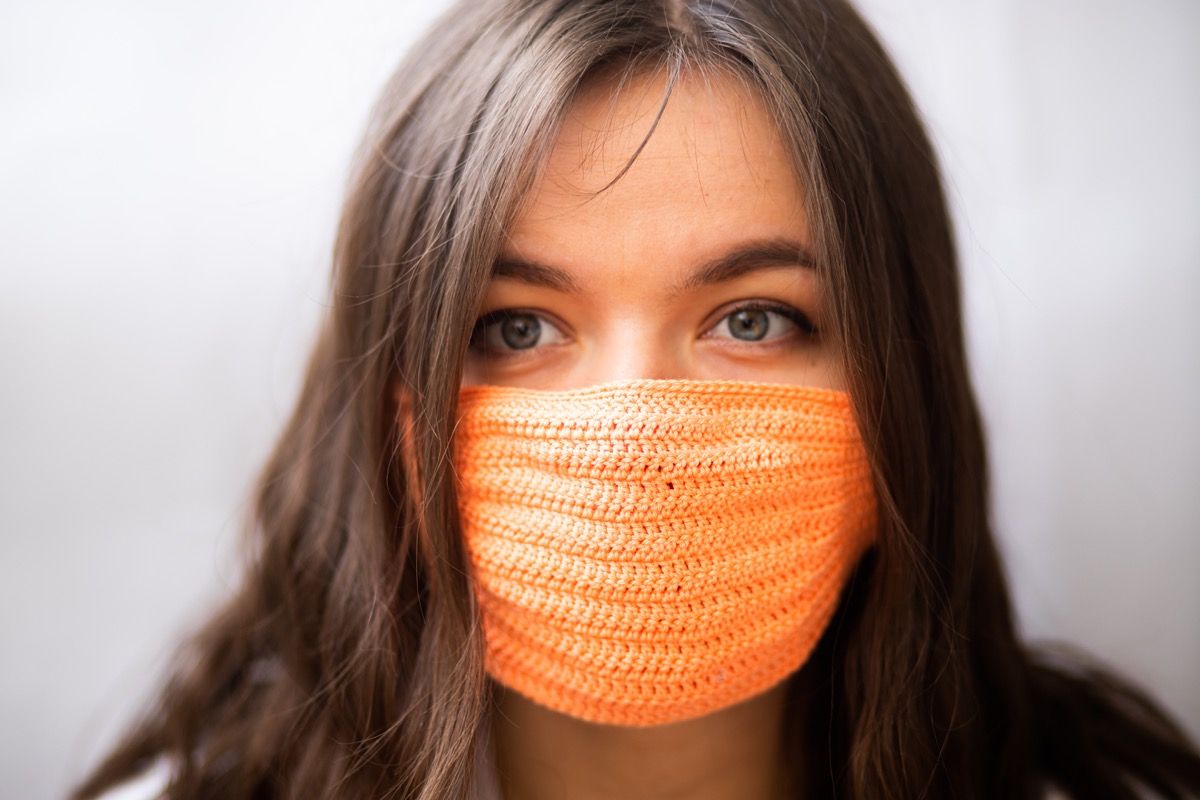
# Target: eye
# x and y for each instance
(507, 331)
(752, 322)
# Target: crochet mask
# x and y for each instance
(651, 550)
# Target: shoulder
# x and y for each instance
(148, 785)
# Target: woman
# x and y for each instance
(619, 287)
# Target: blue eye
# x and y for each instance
(511, 330)
(753, 321)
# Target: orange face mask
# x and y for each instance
(652, 550)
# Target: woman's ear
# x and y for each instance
(404, 402)
(406, 445)
(401, 396)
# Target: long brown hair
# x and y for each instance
(349, 661)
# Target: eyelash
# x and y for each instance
(806, 329)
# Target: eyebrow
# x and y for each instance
(744, 258)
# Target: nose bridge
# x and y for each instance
(632, 349)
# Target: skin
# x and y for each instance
(714, 175)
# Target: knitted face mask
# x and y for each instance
(652, 550)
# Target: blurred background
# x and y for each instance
(170, 177)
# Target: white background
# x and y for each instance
(169, 181)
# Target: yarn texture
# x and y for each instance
(648, 551)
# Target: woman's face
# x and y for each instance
(691, 266)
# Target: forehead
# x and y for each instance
(715, 172)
